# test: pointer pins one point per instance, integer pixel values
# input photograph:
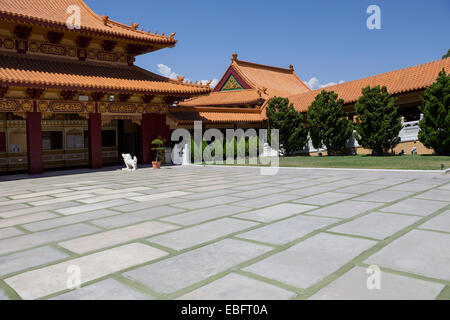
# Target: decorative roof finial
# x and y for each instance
(105, 20)
(291, 67)
(173, 34)
(234, 57)
(134, 26)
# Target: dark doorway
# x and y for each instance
(128, 138)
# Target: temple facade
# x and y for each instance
(70, 95)
(240, 98)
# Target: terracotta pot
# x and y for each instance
(156, 164)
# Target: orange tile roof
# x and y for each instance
(26, 71)
(277, 81)
(226, 98)
(54, 13)
(216, 115)
(400, 81)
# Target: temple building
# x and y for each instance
(70, 94)
(240, 98)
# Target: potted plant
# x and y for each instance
(158, 148)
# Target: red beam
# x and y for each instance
(34, 143)
(95, 141)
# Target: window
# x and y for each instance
(74, 139)
(52, 140)
(108, 138)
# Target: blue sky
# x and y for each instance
(326, 40)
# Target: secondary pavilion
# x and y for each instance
(73, 97)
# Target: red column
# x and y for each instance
(34, 143)
(95, 140)
(152, 126)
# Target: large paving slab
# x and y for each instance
(310, 261)
(237, 287)
(424, 253)
(9, 233)
(276, 212)
(115, 237)
(29, 259)
(31, 240)
(288, 230)
(49, 280)
(325, 198)
(345, 209)
(108, 289)
(353, 286)
(189, 268)
(416, 206)
(190, 237)
(376, 225)
(384, 196)
(439, 223)
(435, 194)
(203, 215)
(197, 204)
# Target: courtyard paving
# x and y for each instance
(225, 233)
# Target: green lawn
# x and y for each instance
(406, 162)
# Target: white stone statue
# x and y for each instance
(414, 151)
(130, 163)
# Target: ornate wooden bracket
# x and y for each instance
(34, 93)
(22, 32)
(124, 97)
(147, 98)
(54, 37)
(83, 42)
(68, 94)
(109, 45)
(3, 91)
(97, 96)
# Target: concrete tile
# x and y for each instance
(353, 286)
(190, 237)
(440, 223)
(40, 238)
(92, 207)
(159, 196)
(276, 212)
(97, 199)
(6, 208)
(416, 206)
(49, 280)
(197, 204)
(125, 219)
(10, 232)
(29, 259)
(285, 231)
(384, 196)
(266, 201)
(310, 261)
(108, 289)
(325, 198)
(203, 215)
(360, 188)
(115, 237)
(413, 186)
(64, 221)
(38, 194)
(21, 212)
(181, 271)
(260, 191)
(61, 199)
(309, 191)
(26, 219)
(436, 194)
(420, 252)
(237, 287)
(345, 209)
(376, 225)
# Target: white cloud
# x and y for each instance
(168, 73)
(314, 83)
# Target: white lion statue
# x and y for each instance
(130, 163)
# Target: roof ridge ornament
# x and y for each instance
(291, 67)
(105, 19)
(234, 57)
(172, 34)
(134, 26)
